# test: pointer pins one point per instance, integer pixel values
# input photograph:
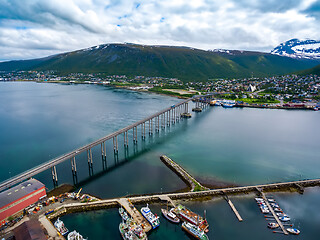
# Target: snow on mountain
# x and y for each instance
(295, 48)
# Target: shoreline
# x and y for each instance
(238, 105)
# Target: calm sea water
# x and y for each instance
(241, 146)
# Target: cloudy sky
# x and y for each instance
(38, 28)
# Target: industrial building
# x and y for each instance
(21, 196)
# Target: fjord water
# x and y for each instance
(240, 146)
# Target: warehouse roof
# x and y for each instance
(19, 191)
(29, 230)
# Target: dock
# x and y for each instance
(183, 174)
(274, 214)
(135, 214)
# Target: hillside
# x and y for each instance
(184, 63)
(315, 70)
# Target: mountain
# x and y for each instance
(187, 64)
(295, 48)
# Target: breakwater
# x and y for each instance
(111, 203)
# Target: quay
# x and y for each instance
(183, 174)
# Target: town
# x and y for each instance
(289, 91)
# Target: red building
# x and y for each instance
(19, 197)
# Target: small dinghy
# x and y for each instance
(293, 231)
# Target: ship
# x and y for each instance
(170, 215)
(59, 225)
(74, 235)
(151, 218)
(186, 215)
(194, 231)
(126, 232)
(228, 104)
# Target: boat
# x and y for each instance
(316, 109)
(74, 235)
(186, 215)
(228, 104)
(170, 215)
(271, 200)
(277, 209)
(123, 214)
(151, 218)
(273, 225)
(194, 231)
(284, 218)
(126, 233)
(218, 103)
(294, 231)
(213, 102)
(59, 225)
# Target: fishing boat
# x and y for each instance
(194, 231)
(74, 235)
(170, 215)
(151, 218)
(130, 230)
(59, 225)
(273, 225)
(123, 214)
(293, 231)
(126, 233)
(186, 215)
(213, 102)
(284, 218)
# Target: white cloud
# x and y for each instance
(38, 28)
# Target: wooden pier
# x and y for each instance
(233, 208)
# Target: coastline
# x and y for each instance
(166, 93)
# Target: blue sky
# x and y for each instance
(38, 28)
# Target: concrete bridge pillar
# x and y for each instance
(115, 144)
(54, 176)
(104, 155)
(90, 162)
(74, 170)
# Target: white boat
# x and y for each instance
(170, 215)
(151, 218)
(59, 225)
(293, 231)
(284, 218)
(74, 235)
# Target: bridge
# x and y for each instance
(151, 124)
